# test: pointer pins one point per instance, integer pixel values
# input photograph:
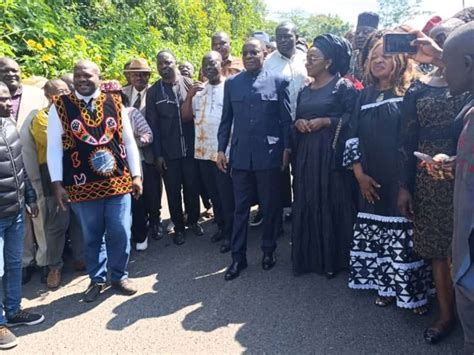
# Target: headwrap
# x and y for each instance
(336, 48)
(110, 86)
(369, 19)
(434, 21)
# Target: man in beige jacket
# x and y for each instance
(27, 101)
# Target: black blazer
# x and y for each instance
(257, 111)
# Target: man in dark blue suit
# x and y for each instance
(257, 112)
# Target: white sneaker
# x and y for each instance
(142, 246)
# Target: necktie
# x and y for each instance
(138, 101)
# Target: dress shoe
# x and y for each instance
(54, 278)
(155, 230)
(26, 274)
(233, 271)
(79, 265)
(44, 271)
(179, 238)
(197, 229)
(225, 246)
(93, 291)
(268, 261)
(330, 275)
(217, 236)
(126, 287)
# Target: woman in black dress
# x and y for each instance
(382, 256)
(323, 209)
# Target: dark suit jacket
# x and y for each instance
(257, 111)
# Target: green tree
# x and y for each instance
(311, 25)
(397, 12)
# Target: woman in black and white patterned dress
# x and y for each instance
(382, 256)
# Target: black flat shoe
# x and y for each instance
(435, 335)
(155, 231)
(225, 247)
(179, 238)
(330, 275)
(268, 261)
(233, 271)
(26, 274)
(197, 229)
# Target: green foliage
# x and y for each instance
(397, 12)
(48, 36)
(310, 25)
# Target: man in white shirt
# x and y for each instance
(94, 165)
(204, 104)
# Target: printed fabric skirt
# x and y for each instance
(382, 259)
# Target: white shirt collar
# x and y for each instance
(136, 92)
(95, 95)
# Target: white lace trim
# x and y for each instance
(351, 142)
(377, 104)
(378, 218)
(388, 260)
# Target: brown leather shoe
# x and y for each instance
(79, 265)
(126, 287)
(54, 278)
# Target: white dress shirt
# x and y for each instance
(293, 69)
(135, 93)
(55, 146)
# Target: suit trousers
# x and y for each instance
(147, 209)
(465, 304)
(226, 198)
(268, 186)
(208, 171)
(35, 247)
(181, 175)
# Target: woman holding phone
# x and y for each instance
(382, 257)
(429, 126)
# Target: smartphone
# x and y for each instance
(394, 43)
(424, 157)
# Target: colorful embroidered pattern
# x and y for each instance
(80, 179)
(81, 133)
(67, 138)
(99, 189)
(85, 115)
(76, 162)
(102, 161)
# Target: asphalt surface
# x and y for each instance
(184, 306)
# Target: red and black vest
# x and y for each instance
(94, 158)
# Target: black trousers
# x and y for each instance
(181, 175)
(268, 186)
(147, 209)
(227, 201)
(208, 171)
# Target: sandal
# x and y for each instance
(421, 311)
(384, 301)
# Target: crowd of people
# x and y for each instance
(324, 135)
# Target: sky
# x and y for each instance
(349, 9)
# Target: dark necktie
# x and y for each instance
(89, 106)
(138, 101)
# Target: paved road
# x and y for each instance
(184, 306)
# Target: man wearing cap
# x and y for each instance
(367, 23)
(139, 73)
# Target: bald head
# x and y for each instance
(55, 87)
(212, 67)
(10, 74)
(86, 77)
(220, 42)
(458, 57)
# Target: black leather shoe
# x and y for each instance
(233, 271)
(155, 231)
(93, 291)
(179, 238)
(268, 261)
(225, 246)
(197, 229)
(26, 274)
(218, 236)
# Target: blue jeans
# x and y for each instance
(11, 251)
(106, 227)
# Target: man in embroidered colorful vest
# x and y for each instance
(94, 164)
